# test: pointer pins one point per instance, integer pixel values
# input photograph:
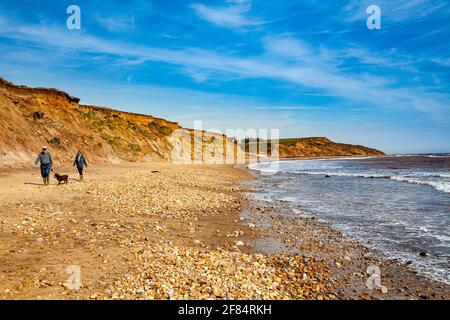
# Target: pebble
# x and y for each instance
(164, 268)
(165, 272)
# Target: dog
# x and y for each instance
(38, 115)
(61, 178)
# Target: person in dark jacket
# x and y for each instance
(80, 162)
(45, 159)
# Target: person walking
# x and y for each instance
(80, 162)
(45, 159)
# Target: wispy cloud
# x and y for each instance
(288, 107)
(116, 23)
(365, 57)
(284, 59)
(443, 62)
(233, 15)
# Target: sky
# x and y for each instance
(307, 68)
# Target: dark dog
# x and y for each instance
(62, 178)
(38, 115)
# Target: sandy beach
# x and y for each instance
(164, 231)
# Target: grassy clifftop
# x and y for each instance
(322, 147)
(310, 147)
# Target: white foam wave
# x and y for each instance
(438, 185)
(439, 180)
(431, 174)
(443, 186)
(265, 166)
(288, 199)
(439, 156)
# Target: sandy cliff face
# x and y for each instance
(30, 118)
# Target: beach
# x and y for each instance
(165, 231)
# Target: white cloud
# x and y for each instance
(234, 15)
(365, 57)
(197, 74)
(116, 23)
(442, 62)
(289, 48)
(285, 59)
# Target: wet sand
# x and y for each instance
(161, 231)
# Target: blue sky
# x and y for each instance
(308, 68)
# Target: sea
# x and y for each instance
(398, 205)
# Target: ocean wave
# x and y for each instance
(443, 186)
(262, 166)
(287, 199)
(429, 174)
(265, 167)
(443, 155)
(416, 178)
(345, 174)
(439, 156)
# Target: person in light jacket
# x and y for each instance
(80, 162)
(45, 159)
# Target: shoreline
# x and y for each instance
(402, 281)
(162, 231)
